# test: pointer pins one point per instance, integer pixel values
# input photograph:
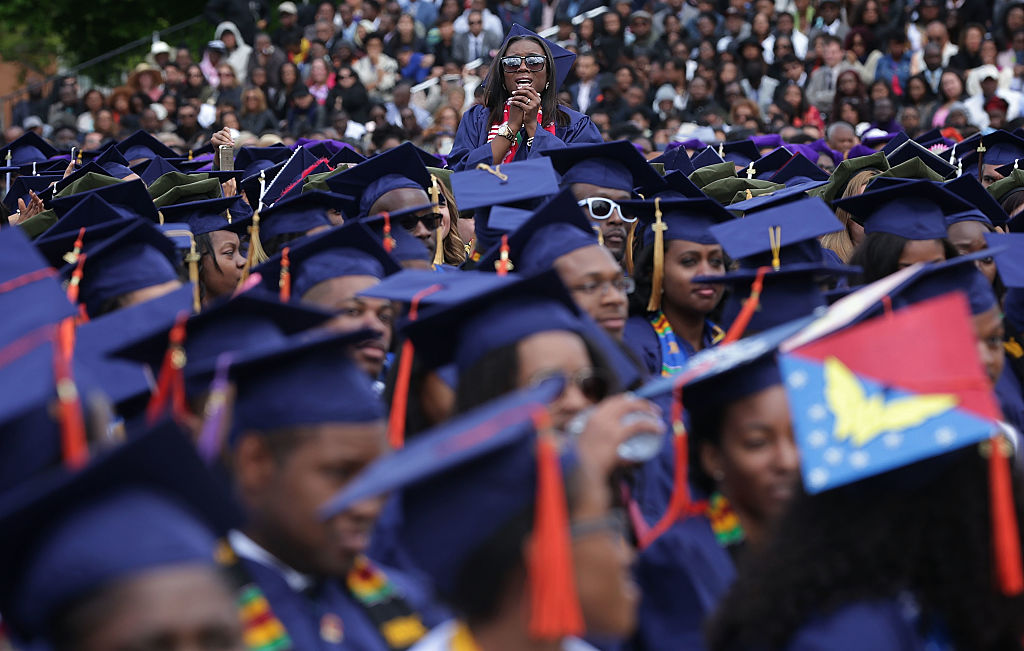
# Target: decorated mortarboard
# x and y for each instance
(799, 171)
(707, 156)
(347, 156)
(740, 152)
(129, 199)
(911, 150)
(915, 210)
(973, 192)
(556, 228)
(187, 189)
(563, 58)
(23, 185)
(254, 186)
(616, 165)
(318, 180)
(708, 174)
(846, 170)
(207, 215)
(513, 183)
(367, 182)
(149, 503)
(135, 257)
(348, 250)
(288, 180)
(723, 190)
(253, 159)
(27, 148)
(766, 165)
(142, 145)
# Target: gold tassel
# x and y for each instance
(192, 260)
(160, 217)
(981, 160)
(256, 254)
(775, 241)
(628, 259)
(435, 196)
(658, 274)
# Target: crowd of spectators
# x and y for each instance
(652, 72)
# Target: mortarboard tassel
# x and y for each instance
(170, 385)
(76, 278)
(658, 275)
(74, 444)
(721, 151)
(555, 610)
(214, 429)
(503, 265)
(284, 283)
(400, 397)
(255, 254)
(192, 260)
(600, 235)
(435, 196)
(72, 256)
(981, 159)
(79, 157)
(388, 242)
(1005, 532)
(630, 243)
(190, 154)
(739, 326)
(775, 241)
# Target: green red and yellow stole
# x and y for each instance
(398, 624)
(725, 524)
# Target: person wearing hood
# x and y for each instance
(237, 50)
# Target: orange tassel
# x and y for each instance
(502, 265)
(72, 257)
(170, 388)
(400, 398)
(1005, 534)
(284, 284)
(739, 326)
(76, 279)
(554, 604)
(389, 242)
(74, 444)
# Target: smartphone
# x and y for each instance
(225, 158)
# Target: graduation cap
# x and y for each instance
(895, 142)
(59, 247)
(207, 215)
(766, 165)
(723, 190)
(959, 274)
(973, 192)
(135, 257)
(910, 150)
(1001, 148)
(254, 186)
(915, 210)
(486, 467)
(517, 182)
(1001, 189)
(21, 186)
(674, 159)
(142, 145)
(555, 229)
(705, 157)
(367, 182)
(183, 188)
(289, 178)
(128, 198)
(253, 159)
(846, 170)
(1010, 264)
(146, 504)
(299, 214)
(152, 169)
(28, 286)
(347, 156)
(564, 59)
(401, 244)
(26, 149)
(739, 152)
(914, 168)
(88, 176)
(348, 250)
(617, 165)
(113, 163)
(766, 198)
(798, 170)
(675, 185)
(708, 174)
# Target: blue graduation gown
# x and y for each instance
(471, 147)
(884, 625)
(641, 338)
(301, 615)
(682, 576)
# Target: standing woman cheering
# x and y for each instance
(521, 116)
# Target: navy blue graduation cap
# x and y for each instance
(674, 159)
(798, 170)
(207, 215)
(152, 169)
(320, 149)
(402, 245)
(556, 228)
(53, 166)
(895, 142)
(785, 296)
(1006, 170)
(615, 164)
(451, 288)
(347, 156)
(289, 177)
(147, 504)
(506, 219)
(428, 159)
(299, 213)
(91, 210)
(1010, 264)
(678, 185)
(142, 145)
(253, 159)
(985, 207)
(563, 58)
(705, 157)
(916, 210)
(512, 183)
(911, 149)
(21, 186)
(28, 148)
(1001, 148)
(59, 244)
(129, 199)
(367, 182)
(683, 219)
(938, 278)
(33, 296)
(348, 250)
(113, 163)
(135, 257)
(768, 164)
(739, 152)
(857, 151)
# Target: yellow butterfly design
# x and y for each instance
(861, 418)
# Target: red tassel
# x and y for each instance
(1005, 534)
(389, 242)
(27, 279)
(76, 279)
(400, 398)
(74, 444)
(502, 265)
(739, 326)
(554, 604)
(170, 386)
(284, 284)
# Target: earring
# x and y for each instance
(546, 85)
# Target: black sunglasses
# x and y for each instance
(429, 221)
(534, 63)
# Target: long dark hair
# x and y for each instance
(879, 255)
(878, 539)
(495, 94)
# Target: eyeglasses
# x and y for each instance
(534, 63)
(601, 208)
(429, 221)
(592, 383)
(624, 285)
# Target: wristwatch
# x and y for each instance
(506, 132)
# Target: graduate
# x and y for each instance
(521, 117)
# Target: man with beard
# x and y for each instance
(600, 176)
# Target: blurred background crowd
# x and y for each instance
(375, 73)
